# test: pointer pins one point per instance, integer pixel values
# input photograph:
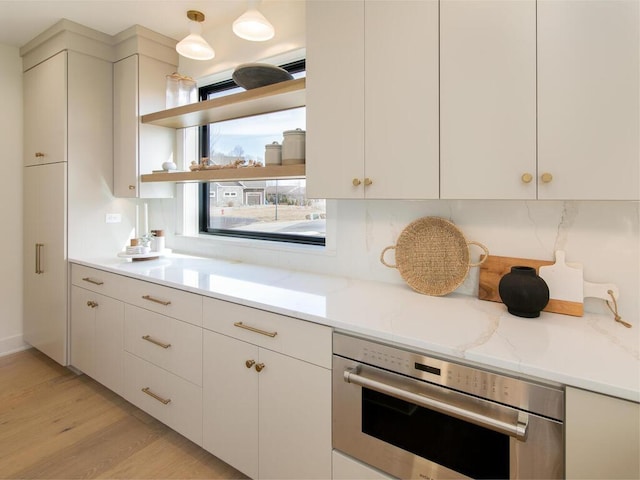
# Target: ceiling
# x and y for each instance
(22, 20)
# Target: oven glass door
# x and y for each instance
(472, 450)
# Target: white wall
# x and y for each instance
(11, 199)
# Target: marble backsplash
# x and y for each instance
(603, 236)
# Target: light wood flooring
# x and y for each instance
(55, 424)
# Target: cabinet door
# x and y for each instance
(488, 99)
(401, 99)
(83, 318)
(139, 87)
(589, 99)
(45, 111)
(45, 259)
(230, 402)
(108, 343)
(295, 418)
(602, 436)
(335, 99)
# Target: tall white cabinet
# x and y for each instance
(67, 178)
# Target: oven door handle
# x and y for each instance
(517, 430)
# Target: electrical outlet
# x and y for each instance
(113, 218)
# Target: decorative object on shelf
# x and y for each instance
(157, 240)
(293, 147)
(273, 154)
(240, 163)
(169, 166)
(181, 90)
(432, 256)
(193, 45)
(523, 292)
(256, 75)
(252, 25)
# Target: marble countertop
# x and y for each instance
(591, 352)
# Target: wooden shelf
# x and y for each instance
(229, 174)
(272, 98)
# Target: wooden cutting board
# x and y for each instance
(494, 267)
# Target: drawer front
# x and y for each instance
(164, 341)
(167, 397)
(168, 301)
(98, 281)
(297, 338)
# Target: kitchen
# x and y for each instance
(601, 234)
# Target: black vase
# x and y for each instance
(523, 292)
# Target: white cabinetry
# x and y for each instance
(602, 436)
(368, 134)
(267, 392)
(589, 99)
(347, 468)
(488, 99)
(140, 88)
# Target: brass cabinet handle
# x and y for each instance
(156, 300)
(148, 391)
(546, 178)
(39, 154)
(259, 367)
(132, 187)
(39, 247)
(356, 181)
(92, 304)
(148, 338)
(250, 363)
(254, 329)
(91, 280)
(526, 178)
(367, 181)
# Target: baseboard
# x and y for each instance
(11, 345)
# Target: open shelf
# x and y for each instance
(229, 174)
(272, 98)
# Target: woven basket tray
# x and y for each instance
(432, 256)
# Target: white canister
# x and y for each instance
(273, 154)
(293, 147)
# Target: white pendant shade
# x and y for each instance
(194, 46)
(252, 25)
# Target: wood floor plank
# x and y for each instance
(58, 425)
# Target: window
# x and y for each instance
(275, 210)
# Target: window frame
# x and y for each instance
(204, 190)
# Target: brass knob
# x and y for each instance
(367, 181)
(526, 178)
(259, 367)
(356, 182)
(92, 304)
(132, 187)
(39, 154)
(250, 363)
(546, 177)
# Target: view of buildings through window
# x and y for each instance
(264, 209)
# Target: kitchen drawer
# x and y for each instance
(178, 403)
(98, 281)
(164, 341)
(297, 338)
(168, 301)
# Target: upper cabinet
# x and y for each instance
(372, 99)
(45, 108)
(139, 87)
(588, 99)
(488, 99)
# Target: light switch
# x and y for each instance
(113, 218)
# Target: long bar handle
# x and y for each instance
(148, 391)
(39, 247)
(254, 329)
(156, 300)
(91, 280)
(519, 430)
(148, 338)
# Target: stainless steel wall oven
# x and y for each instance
(415, 416)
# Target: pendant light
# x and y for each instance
(193, 45)
(252, 25)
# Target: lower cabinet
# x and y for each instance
(602, 436)
(97, 323)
